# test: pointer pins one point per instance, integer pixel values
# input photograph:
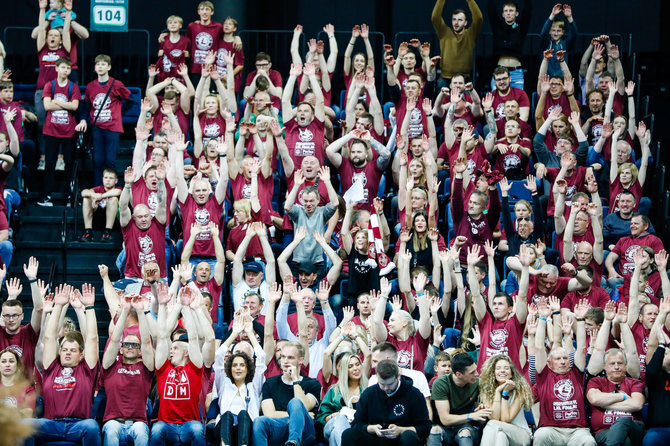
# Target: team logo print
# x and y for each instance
(177, 386)
(630, 252)
(97, 102)
(500, 110)
(498, 338)
(360, 176)
(305, 135)
(404, 359)
(471, 166)
(246, 191)
(212, 130)
(204, 41)
(152, 202)
(564, 390)
(176, 53)
(511, 161)
(398, 410)
(67, 372)
(146, 244)
(202, 216)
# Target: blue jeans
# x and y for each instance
(657, 436)
(105, 146)
(71, 429)
(12, 200)
(334, 429)
(137, 432)
(298, 427)
(452, 338)
(191, 433)
(6, 251)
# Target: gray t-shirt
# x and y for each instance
(309, 250)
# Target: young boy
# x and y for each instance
(61, 100)
(109, 126)
(228, 43)
(264, 78)
(7, 103)
(556, 36)
(442, 365)
(174, 50)
(101, 197)
(204, 36)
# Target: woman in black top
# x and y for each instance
(363, 270)
(525, 231)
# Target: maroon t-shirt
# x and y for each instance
(212, 127)
(411, 352)
(626, 248)
(235, 237)
(241, 187)
(305, 141)
(292, 320)
(641, 336)
(512, 160)
(561, 398)
(499, 101)
(597, 297)
(275, 78)
(576, 183)
(179, 392)
(576, 240)
(101, 190)
(60, 123)
(418, 124)
(110, 117)
(615, 191)
(142, 195)
(214, 289)
(475, 158)
(551, 103)
(369, 174)
(327, 95)
(203, 38)
(602, 419)
(500, 337)
(238, 61)
(526, 130)
(47, 63)
(16, 122)
(249, 144)
(534, 293)
(191, 213)
(173, 56)
(144, 247)
(159, 118)
(68, 391)
(118, 380)
(23, 343)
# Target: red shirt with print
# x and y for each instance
(179, 392)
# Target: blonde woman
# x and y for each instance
(506, 392)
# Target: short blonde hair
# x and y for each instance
(243, 205)
(175, 17)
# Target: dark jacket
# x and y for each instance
(405, 408)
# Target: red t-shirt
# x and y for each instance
(214, 289)
(652, 290)
(551, 103)
(47, 63)
(122, 403)
(250, 145)
(241, 187)
(101, 190)
(576, 183)
(275, 78)
(607, 147)
(327, 95)
(512, 160)
(615, 191)
(212, 127)
(60, 123)
(173, 56)
(142, 195)
(16, 122)
(68, 392)
(418, 125)
(160, 119)
(144, 247)
(641, 336)
(191, 213)
(475, 158)
(235, 237)
(602, 419)
(526, 130)
(325, 385)
(179, 392)
(576, 240)
(534, 293)
(597, 297)
(110, 117)
(500, 337)
(203, 38)
(626, 248)
(238, 61)
(369, 174)
(305, 141)
(411, 352)
(561, 398)
(23, 343)
(499, 101)
(292, 320)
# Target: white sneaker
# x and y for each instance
(60, 164)
(42, 164)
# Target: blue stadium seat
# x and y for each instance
(132, 106)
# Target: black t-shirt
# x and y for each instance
(362, 276)
(281, 393)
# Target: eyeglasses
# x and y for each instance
(262, 65)
(132, 345)
(11, 316)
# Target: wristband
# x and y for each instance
(630, 95)
(32, 280)
(568, 95)
(505, 395)
(90, 307)
(554, 313)
(542, 319)
(540, 258)
(222, 156)
(468, 417)
(624, 397)
(579, 319)
(189, 281)
(428, 115)
(147, 312)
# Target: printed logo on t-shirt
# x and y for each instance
(610, 416)
(405, 359)
(203, 217)
(212, 130)
(167, 63)
(306, 146)
(10, 401)
(203, 41)
(476, 226)
(49, 59)
(498, 342)
(564, 389)
(398, 410)
(471, 166)
(629, 256)
(415, 125)
(177, 386)
(65, 381)
(152, 202)
(146, 246)
(566, 408)
(511, 161)
(500, 111)
(60, 117)
(246, 191)
(363, 178)
(105, 113)
(176, 53)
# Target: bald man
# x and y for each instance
(143, 234)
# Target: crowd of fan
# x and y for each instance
(423, 342)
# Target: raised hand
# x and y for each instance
(630, 88)
(548, 54)
(560, 54)
(324, 291)
(87, 294)
(610, 310)
(356, 32)
(31, 269)
(545, 84)
(296, 69)
(661, 259)
(274, 293)
(622, 313)
(581, 308)
(396, 303)
(487, 102)
(308, 69)
(14, 288)
(365, 31)
(473, 255)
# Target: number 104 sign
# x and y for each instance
(109, 15)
